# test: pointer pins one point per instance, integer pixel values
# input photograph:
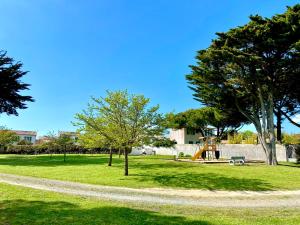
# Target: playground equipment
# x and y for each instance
(209, 145)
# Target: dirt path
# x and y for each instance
(248, 199)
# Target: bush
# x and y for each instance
(43, 149)
(181, 155)
(247, 137)
(188, 156)
(290, 139)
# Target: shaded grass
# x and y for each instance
(19, 205)
(154, 171)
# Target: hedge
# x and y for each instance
(40, 149)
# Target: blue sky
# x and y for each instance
(77, 49)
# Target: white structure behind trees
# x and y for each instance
(28, 136)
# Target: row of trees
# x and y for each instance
(253, 70)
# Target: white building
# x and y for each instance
(29, 136)
(188, 136)
(185, 136)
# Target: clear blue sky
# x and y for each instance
(77, 49)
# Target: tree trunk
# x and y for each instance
(119, 152)
(65, 150)
(271, 130)
(278, 125)
(126, 162)
(110, 157)
(263, 121)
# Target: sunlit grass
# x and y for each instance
(20, 205)
(154, 171)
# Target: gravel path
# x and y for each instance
(248, 199)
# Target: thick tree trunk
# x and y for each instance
(271, 130)
(110, 157)
(278, 125)
(263, 121)
(126, 162)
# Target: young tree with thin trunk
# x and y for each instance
(64, 141)
(7, 138)
(124, 118)
(91, 138)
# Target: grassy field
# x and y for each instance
(154, 171)
(20, 205)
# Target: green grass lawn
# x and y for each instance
(19, 205)
(154, 171)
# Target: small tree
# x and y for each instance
(124, 118)
(50, 142)
(7, 137)
(90, 138)
(63, 141)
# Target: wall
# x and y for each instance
(22, 137)
(177, 135)
(251, 152)
(181, 136)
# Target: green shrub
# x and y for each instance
(43, 149)
(290, 139)
(246, 137)
(181, 155)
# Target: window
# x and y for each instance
(28, 138)
(191, 142)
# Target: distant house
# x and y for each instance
(188, 136)
(29, 136)
(71, 134)
(43, 139)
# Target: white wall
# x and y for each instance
(251, 152)
(33, 138)
(177, 135)
(181, 136)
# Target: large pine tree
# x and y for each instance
(11, 86)
(251, 69)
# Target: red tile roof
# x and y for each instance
(22, 132)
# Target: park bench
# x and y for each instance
(237, 159)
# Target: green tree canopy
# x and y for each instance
(200, 119)
(249, 69)
(11, 85)
(122, 119)
(7, 137)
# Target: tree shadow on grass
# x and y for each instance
(59, 212)
(207, 181)
(295, 165)
(56, 160)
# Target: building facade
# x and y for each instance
(28, 136)
(185, 136)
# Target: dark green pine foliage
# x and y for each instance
(11, 86)
(253, 69)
